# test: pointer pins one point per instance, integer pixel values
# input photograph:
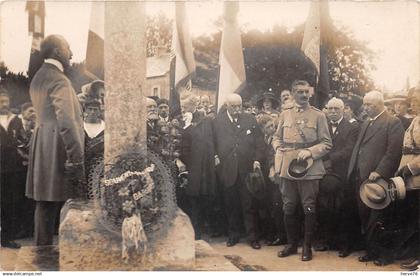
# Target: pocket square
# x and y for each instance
(248, 132)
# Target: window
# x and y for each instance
(156, 91)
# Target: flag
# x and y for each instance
(231, 60)
(183, 63)
(36, 28)
(95, 44)
(317, 28)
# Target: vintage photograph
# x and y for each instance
(210, 135)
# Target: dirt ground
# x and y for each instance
(266, 259)
(247, 259)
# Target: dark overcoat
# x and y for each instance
(197, 152)
(58, 135)
(237, 147)
(343, 139)
(10, 139)
(378, 147)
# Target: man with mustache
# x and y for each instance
(302, 133)
(239, 145)
(56, 160)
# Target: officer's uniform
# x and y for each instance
(300, 128)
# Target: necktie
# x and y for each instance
(334, 124)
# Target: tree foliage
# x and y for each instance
(273, 59)
(17, 85)
(158, 33)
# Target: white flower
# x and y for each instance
(123, 191)
(128, 206)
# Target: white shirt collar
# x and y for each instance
(339, 120)
(377, 116)
(230, 117)
(6, 119)
(164, 119)
(56, 63)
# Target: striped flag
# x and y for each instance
(183, 62)
(36, 28)
(95, 44)
(317, 27)
(231, 60)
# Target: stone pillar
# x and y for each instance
(125, 73)
(86, 240)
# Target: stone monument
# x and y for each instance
(117, 231)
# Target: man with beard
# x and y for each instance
(240, 148)
(152, 119)
(376, 155)
(56, 161)
(11, 171)
(302, 135)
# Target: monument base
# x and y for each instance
(85, 244)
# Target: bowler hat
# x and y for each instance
(299, 168)
(379, 194)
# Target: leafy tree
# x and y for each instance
(273, 59)
(17, 86)
(158, 33)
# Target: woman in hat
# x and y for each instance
(410, 168)
(268, 104)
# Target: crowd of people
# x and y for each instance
(279, 170)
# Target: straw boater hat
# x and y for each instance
(397, 99)
(379, 194)
(298, 169)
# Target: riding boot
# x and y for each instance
(290, 224)
(310, 220)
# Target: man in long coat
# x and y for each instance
(239, 145)
(377, 154)
(197, 152)
(57, 150)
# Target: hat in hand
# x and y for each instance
(299, 168)
(379, 194)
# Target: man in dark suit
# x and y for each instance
(57, 149)
(377, 154)
(336, 200)
(239, 145)
(197, 153)
(10, 170)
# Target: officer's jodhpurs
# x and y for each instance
(305, 190)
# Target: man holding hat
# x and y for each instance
(376, 155)
(301, 140)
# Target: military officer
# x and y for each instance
(302, 134)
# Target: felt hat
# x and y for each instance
(299, 168)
